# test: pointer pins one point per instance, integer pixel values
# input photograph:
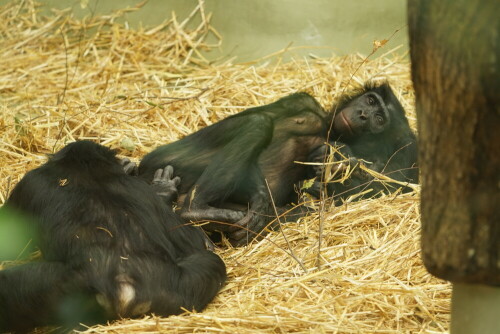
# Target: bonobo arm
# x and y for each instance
(359, 180)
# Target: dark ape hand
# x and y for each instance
(129, 167)
(166, 186)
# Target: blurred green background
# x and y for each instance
(255, 28)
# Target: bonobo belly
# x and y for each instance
(280, 164)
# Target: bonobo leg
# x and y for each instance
(233, 175)
(260, 211)
(190, 283)
(261, 216)
(45, 293)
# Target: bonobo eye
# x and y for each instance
(379, 119)
(370, 100)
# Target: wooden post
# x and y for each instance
(455, 54)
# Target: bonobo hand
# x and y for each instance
(129, 167)
(339, 168)
(343, 160)
(166, 186)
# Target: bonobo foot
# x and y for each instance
(252, 226)
(166, 186)
(238, 223)
(256, 225)
(238, 226)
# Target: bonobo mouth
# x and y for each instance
(346, 122)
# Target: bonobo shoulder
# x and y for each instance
(302, 101)
(286, 106)
(300, 95)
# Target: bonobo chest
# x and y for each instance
(293, 140)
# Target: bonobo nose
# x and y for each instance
(362, 115)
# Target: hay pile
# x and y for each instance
(63, 79)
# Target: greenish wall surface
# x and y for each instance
(254, 28)
(475, 309)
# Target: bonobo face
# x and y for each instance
(365, 114)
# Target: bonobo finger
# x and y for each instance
(247, 233)
(176, 180)
(242, 238)
(353, 161)
(315, 189)
(130, 168)
(319, 154)
(168, 172)
(124, 161)
(238, 237)
(340, 167)
(158, 175)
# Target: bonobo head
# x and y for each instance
(373, 112)
(88, 157)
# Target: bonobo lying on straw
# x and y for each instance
(111, 246)
(243, 160)
(234, 171)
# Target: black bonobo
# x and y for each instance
(369, 127)
(111, 246)
(234, 170)
(230, 169)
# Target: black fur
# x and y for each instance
(110, 247)
(389, 147)
(224, 167)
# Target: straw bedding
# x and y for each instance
(63, 79)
